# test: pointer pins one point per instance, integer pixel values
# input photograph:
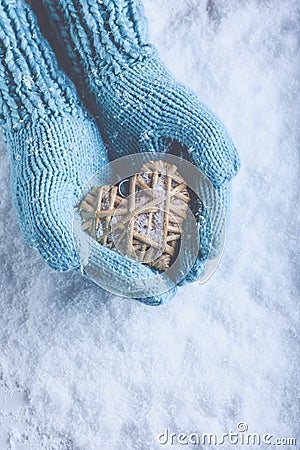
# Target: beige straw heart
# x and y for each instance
(147, 224)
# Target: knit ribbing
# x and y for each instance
(106, 35)
(31, 85)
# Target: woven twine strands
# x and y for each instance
(147, 224)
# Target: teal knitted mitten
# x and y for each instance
(137, 100)
(139, 105)
(55, 147)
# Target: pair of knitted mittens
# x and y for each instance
(131, 103)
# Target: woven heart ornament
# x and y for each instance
(146, 225)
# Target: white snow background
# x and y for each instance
(82, 370)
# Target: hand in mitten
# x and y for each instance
(55, 146)
(138, 104)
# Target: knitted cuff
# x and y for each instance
(106, 35)
(31, 85)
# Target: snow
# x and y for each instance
(82, 370)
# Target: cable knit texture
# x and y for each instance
(54, 145)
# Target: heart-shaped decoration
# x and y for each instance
(146, 225)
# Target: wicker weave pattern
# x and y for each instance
(146, 225)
